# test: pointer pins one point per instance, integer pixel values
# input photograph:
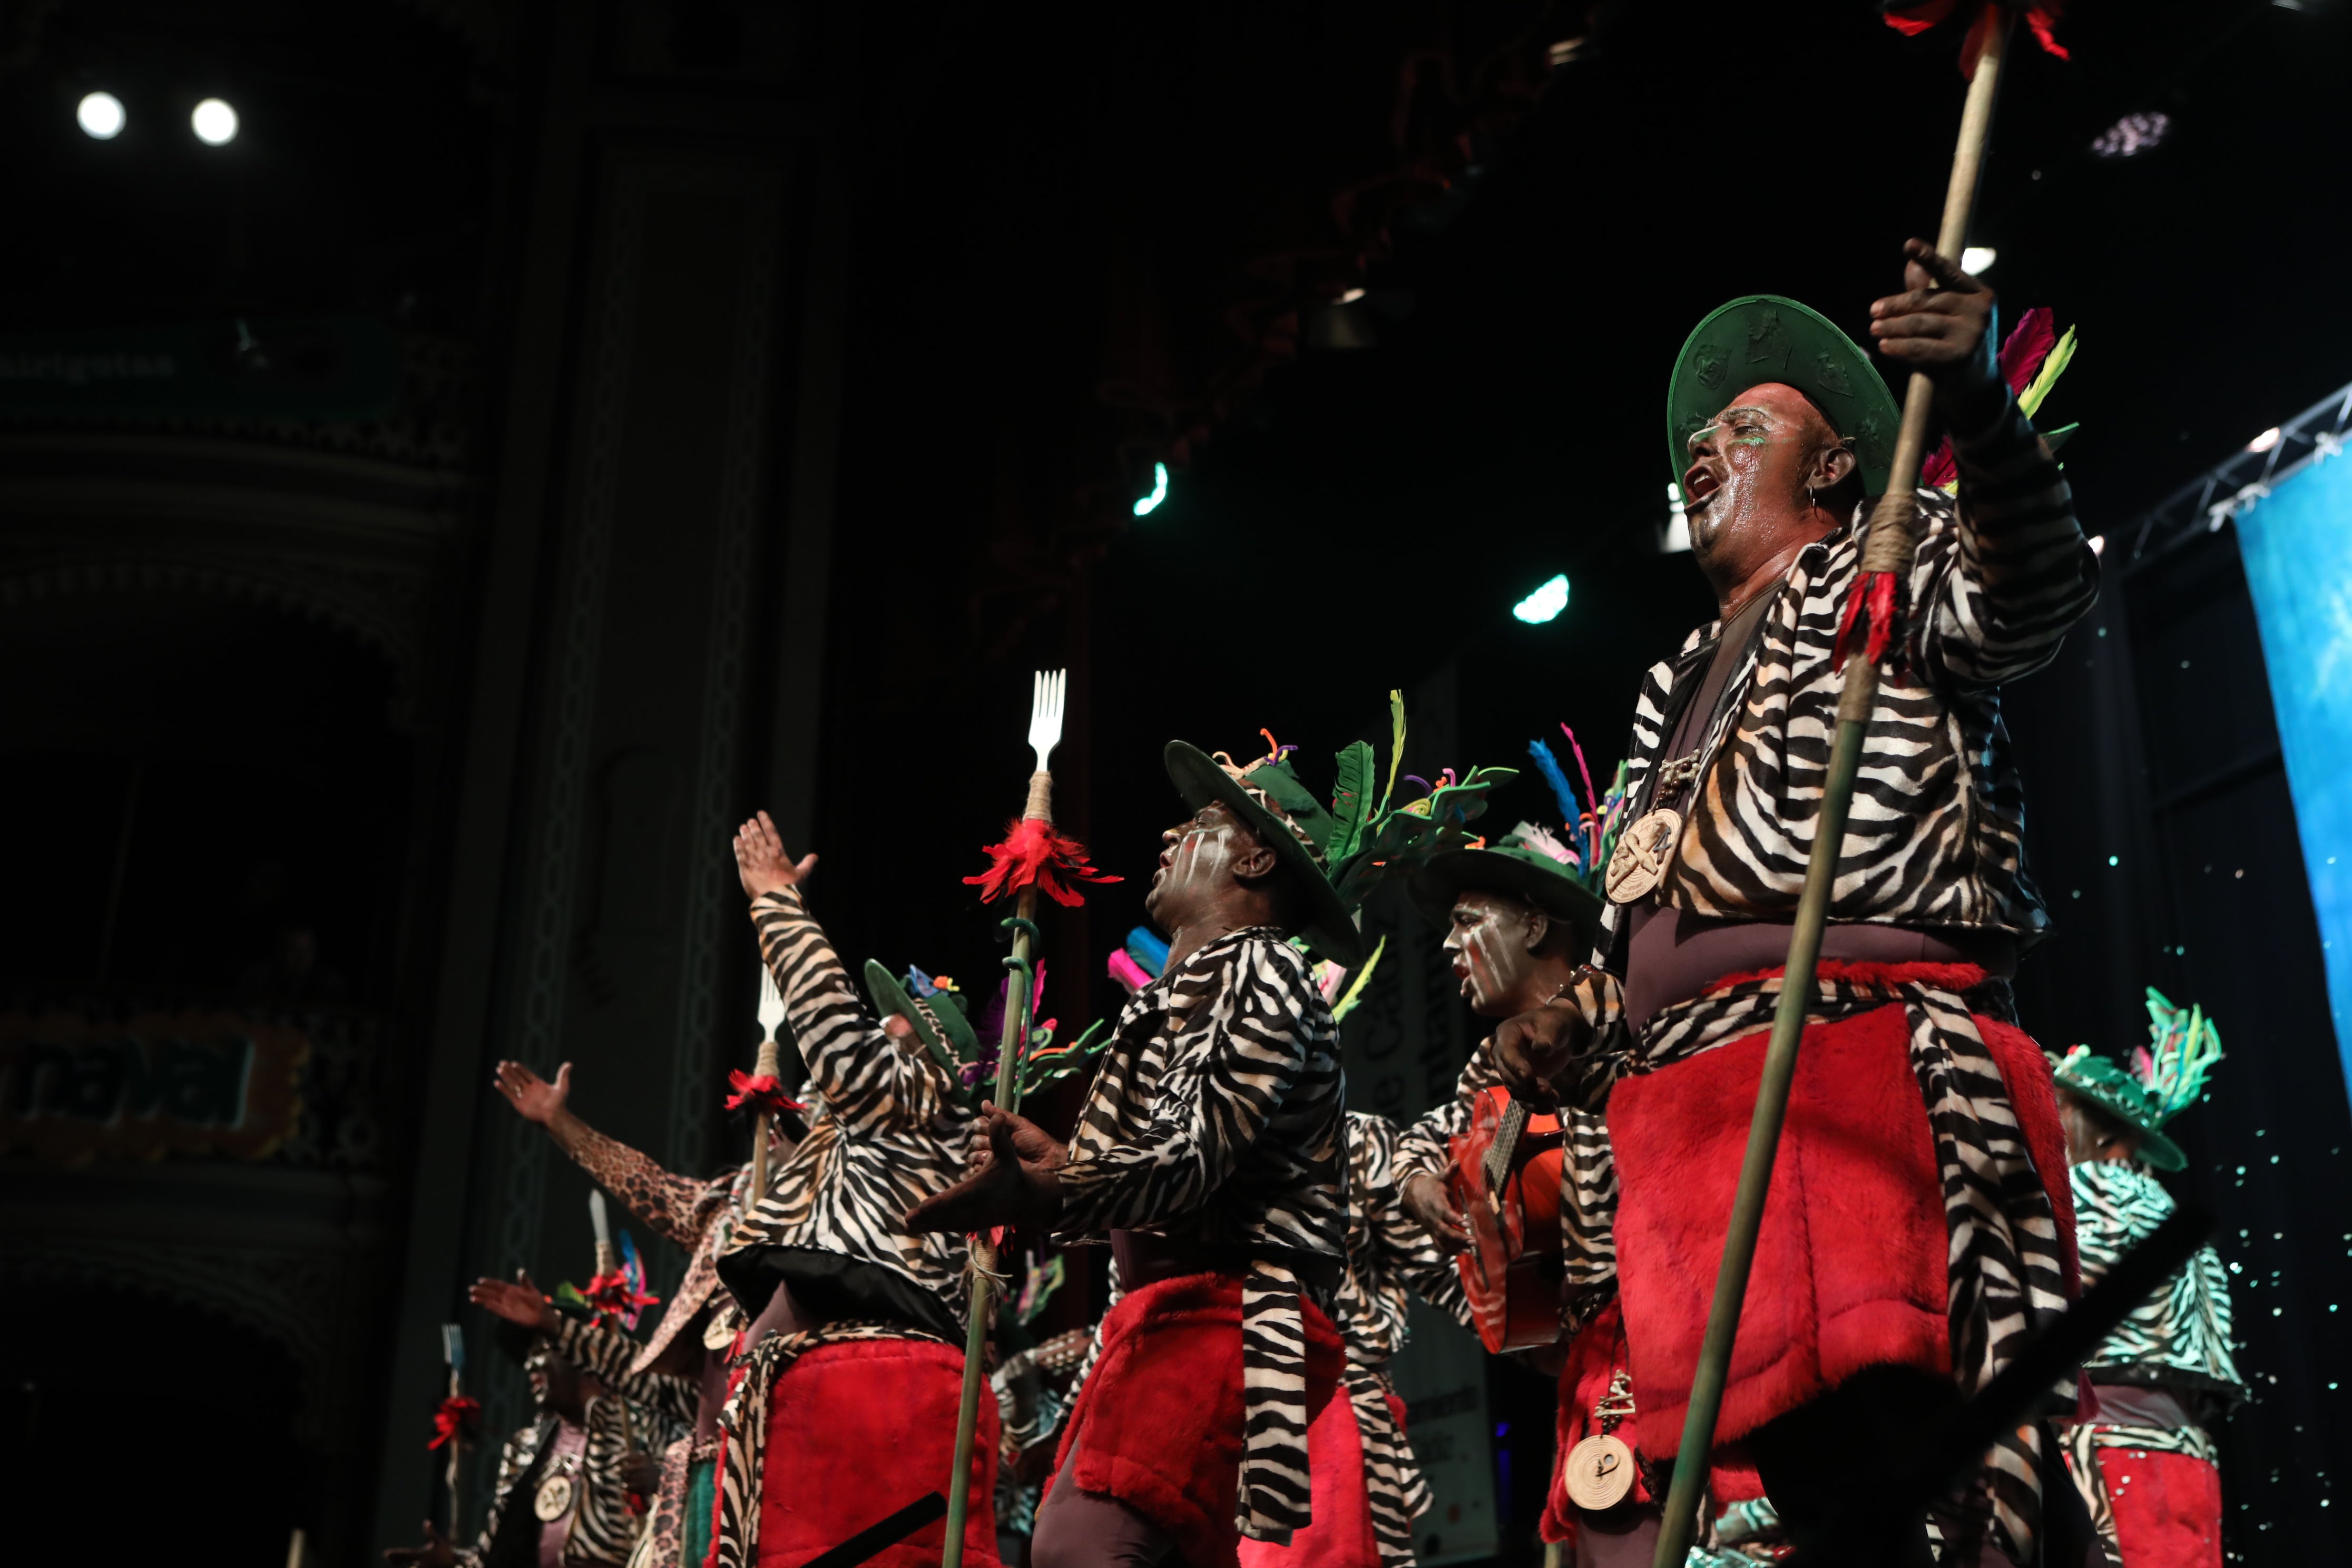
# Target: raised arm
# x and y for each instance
(676, 1206)
(865, 1075)
(1245, 1041)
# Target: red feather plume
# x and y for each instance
(1035, 855)
(1912, 19)
(763, 1094)
(455, 1419)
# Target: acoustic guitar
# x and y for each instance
(1505, 1181)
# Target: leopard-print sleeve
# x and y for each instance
(674, 1206)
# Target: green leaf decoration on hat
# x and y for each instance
(2183, 1046)
(1373, 843)
(1352, 800)
(1045, 1064)
(1351, 998)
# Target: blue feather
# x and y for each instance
(1563, 791)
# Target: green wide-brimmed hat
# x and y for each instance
(2167, 1076)
(1758, 338)
(1299, 835)
(2117, 1092)
(1514, 868)
(937, 1017)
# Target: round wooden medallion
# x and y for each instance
(554, 1498)
(1643, 852)
(1599, 1473)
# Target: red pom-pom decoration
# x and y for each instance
(1034, 855)
(762, 1093)
(455, 1419)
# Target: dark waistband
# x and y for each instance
(1146, 1257)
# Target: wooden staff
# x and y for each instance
(453, 1353)
(1045, 702)
(1887, 548)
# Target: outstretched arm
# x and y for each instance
(1998, 587)
(674, 1205)
(865, 1075)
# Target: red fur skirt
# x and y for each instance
(1159, 1424)
(2167, 1508)
(857, 1430)
(1341, 1535)
(1851, 1264)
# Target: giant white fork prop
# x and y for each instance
(1047, 694)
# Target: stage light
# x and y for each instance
(101, 116)
(1979, 259)
(1544, 604)
(1351, 296)
(2098, 544)
(214, 123)
(2265, 441)
(2133, 134)
(1145, 506)
(1676, 537)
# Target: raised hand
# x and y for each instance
(761, 860)
(1425, 1198)
(1941, 325)
(538, 1100)
(517, 1301)
(436, 1551)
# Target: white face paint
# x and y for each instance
(1192, 866)
(1488, 942)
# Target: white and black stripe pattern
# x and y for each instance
(1393, 1485)
(2006, 1270)
(1216, 1115)
(1273, 1497)
(2179, 1337)
(884, 1131)
(743, 1430)
(602, 1528)
(516, 1459)
(663, 1400)
(1936, 835)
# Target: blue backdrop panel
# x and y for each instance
(2299, 551)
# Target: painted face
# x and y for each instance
(2090, 1137)
(1487, 940)
(1750, 467)
(1196, 860)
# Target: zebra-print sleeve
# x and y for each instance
(515, 1460)
(1404, 1249)
(676, 1206)
(2002, 577)
(1244, 1040)
(603, 1530)
(1425, 1148)
(611, 1354)
(867, 1079)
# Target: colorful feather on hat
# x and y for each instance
(1562, 792)
(2183, 1046)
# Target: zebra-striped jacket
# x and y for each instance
(602, 1530)
(883, 1130)
(1936, 838)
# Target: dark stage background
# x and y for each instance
(769, 385)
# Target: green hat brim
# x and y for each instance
(1201, 781)
(890, 996)
(2153, 1147)
(1523, 874)
(1758, 338)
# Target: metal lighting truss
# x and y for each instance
(2236, 485)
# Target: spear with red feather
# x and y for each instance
(1886, 559)
(1034, 855)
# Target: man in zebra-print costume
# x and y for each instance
(564, 1477)
(2145, 1462)
(1211, 1149)
(1917, 1231)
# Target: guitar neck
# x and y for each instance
(1505, 1146)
